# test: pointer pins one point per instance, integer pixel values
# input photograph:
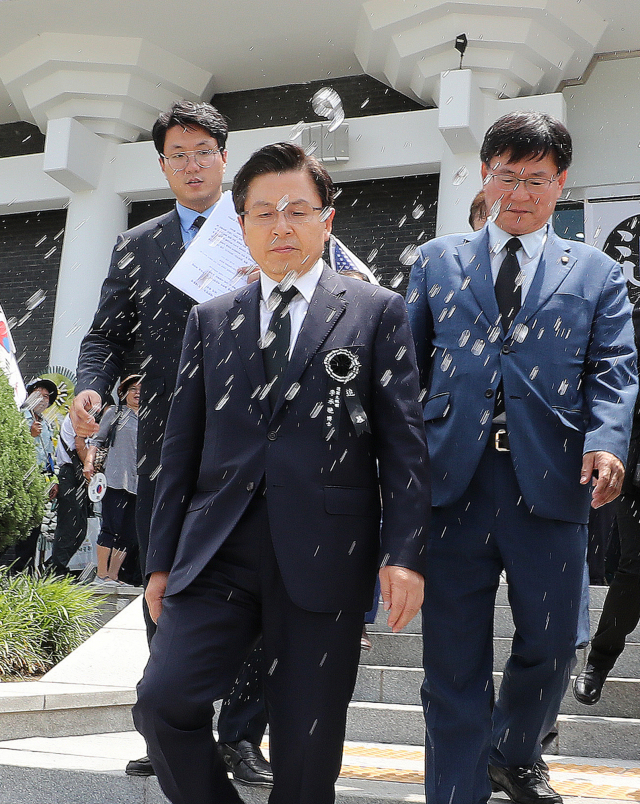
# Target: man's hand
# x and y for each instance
(35, 429)
(155, 593)
(610, 474)
(85, 405)
(402, 594)
(53, 491)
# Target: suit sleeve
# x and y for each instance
(420, 317)
(610, 379)
(181, 452)
(112, 332)
(401, 448)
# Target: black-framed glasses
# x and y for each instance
(536, 185)
(203, 158)
(295, 214)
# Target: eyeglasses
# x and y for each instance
(536, 185)
(294, 214)
(203, 159)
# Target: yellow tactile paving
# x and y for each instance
(397, 764)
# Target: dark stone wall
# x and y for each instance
(20, 138)
(370, 215)
(30, 246)
(361, 96)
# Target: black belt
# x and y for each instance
(499, 438)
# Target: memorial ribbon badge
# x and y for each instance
(343, 367)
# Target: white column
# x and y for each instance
(461, 117)
(83, 162)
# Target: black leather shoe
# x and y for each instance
(587, 688)
(524, 784)
(246, 762)
(140, 767)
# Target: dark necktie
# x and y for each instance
(198, 222)
(276, 352)
(507, 287)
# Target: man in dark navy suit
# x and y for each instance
(526, 351)
(295, 416)
(137, 302)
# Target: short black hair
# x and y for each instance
(187, 114)
(280, 157)
(528, 135)
(477, 210)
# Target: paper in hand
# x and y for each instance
(217, 259)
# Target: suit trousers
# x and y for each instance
(621, 610)
(243, 715)
(73, 513)
(471, 542)
(204, 635)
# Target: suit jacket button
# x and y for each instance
(251, 486)
(506, 350)
(488, 393)
(272, 435)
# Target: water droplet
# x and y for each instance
(316, 409)
(460, 175)
(562, 388)
(520, 332)
(396, 280)
(434, 290)
(446, 362)
(401, 352)
(478, 347)
(282, 203)
(296, 131)
(534, 372)
(464, 337)
(418, 212)
(223, 400)
(386, 378)
(37, 298)
(409, 255)
(292, 391)
(50, 252)
(494, 211)
(372, 255)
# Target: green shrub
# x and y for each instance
(22, 486)
(42, 619)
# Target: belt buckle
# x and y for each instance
(497, 440)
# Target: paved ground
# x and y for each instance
(395, 767)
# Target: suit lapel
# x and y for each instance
(325, 309)
(476, 265)
(243, 319)
(555, 263)
(168, 239)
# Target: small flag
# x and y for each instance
(345, 262)
(8, 362)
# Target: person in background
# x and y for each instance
(118, 433)
(525, 346)
(73, 500)
(621, 609)
(41, 394)
(137, 302)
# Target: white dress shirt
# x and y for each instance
(305, 285)
(528, 256)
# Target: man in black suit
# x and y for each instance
(296, 413)
(136, 301)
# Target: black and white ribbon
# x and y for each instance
(343, 367)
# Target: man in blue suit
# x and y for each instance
(526, 352)
(295, 416)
